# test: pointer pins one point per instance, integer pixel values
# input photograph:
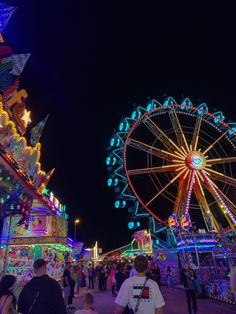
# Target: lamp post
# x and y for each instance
(76, 222)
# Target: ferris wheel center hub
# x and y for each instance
(195, 160)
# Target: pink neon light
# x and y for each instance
(190, 191)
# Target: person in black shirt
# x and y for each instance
(120, 277)
(188, 277)
(155, 273)
(41, 294)
(101, 277)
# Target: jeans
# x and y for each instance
(191, 300)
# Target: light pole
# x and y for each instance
(76, 222)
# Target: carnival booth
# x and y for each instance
(32, 221)
(45, 237)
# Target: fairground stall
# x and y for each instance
(45, 237)
(33, 223)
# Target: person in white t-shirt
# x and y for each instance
(88, 305)
(151, 300)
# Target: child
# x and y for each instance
(88, 305)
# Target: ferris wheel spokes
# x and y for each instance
(167, 142)
(220, 177)
(179, 196)
(164, 168)
(220, 160)
(221, 203)
(211, 224)
(194, 143)
(181, 139)
(166, 186)
(172, 155)
(152, 150)
(215, 142)
(226, 199)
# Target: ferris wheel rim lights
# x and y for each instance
(194, 160)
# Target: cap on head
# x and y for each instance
(39, 263)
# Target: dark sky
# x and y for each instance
(91, 61)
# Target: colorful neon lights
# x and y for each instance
(194, 160)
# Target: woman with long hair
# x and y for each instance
(7, 297)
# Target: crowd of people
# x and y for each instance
(130, 284)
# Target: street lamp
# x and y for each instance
(76, 222)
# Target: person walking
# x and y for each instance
(7, 297)
(188, 276)
(139, 292)
(41, 294)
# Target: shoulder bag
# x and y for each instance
(35, 299)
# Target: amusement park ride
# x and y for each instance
(173, 165)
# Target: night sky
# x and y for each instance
(91, 61)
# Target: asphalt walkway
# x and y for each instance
(175, 303)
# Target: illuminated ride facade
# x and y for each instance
(174, 164)
(30, 216)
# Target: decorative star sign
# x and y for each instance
(26, 118)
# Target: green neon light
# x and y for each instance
(115, 153)
(118, 174)
(136, 208)
(130, 196)
(169, 101)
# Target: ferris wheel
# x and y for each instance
(175, 161)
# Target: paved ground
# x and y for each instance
(175, 303)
